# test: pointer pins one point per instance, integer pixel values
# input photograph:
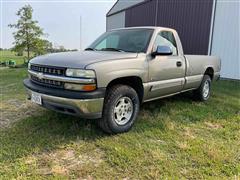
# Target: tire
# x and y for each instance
(204, 91)
(121, 107)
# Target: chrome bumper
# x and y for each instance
(86, 108)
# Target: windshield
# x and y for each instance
(127, 40)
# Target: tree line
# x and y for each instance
(29, 36)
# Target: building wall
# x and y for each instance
(122, 4)
(225, 42)
(116, 21)
(141, 15)
(192, 20)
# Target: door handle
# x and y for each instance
(179, 63)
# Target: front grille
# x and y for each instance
(47, 82)
(48, 70)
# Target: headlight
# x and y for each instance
(80, 73)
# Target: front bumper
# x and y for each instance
(86, 106)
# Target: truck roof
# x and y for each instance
(146, 27)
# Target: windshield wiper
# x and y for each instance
(90, 49)
(112, 49)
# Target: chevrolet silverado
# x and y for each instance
(120, 70)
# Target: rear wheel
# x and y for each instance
(203, 92)
(120, 110)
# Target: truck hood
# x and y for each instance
(79, 59)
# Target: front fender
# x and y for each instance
(109, 70)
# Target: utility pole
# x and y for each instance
(80, 32)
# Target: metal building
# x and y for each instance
(204, 26)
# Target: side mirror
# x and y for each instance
(163, 50)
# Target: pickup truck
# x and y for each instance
(123, 68)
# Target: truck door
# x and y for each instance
(166, 73)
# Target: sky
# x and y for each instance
(60, 20)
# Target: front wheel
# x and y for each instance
(203, 92)
(120, 110)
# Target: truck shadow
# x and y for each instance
(186, 97)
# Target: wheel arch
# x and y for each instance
(209, 71)
(133, 81)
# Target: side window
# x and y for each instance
(166, 38)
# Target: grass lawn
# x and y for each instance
(7, 55)
(172, 138)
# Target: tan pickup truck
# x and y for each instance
(116, 73)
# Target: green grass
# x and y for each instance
(7, 55)
(172, 138)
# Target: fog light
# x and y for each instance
(80, 87)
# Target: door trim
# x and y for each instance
(163, 84)
(193, 81)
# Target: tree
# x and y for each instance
(62, 49)
(19, 49)
(43, 46)
(28, 34)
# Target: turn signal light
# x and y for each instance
(90, 87)
(80, 87)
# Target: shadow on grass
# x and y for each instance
(162, 103)
(184, 108)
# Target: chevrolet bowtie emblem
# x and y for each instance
(40, 75)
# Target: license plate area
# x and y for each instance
(36, 98)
